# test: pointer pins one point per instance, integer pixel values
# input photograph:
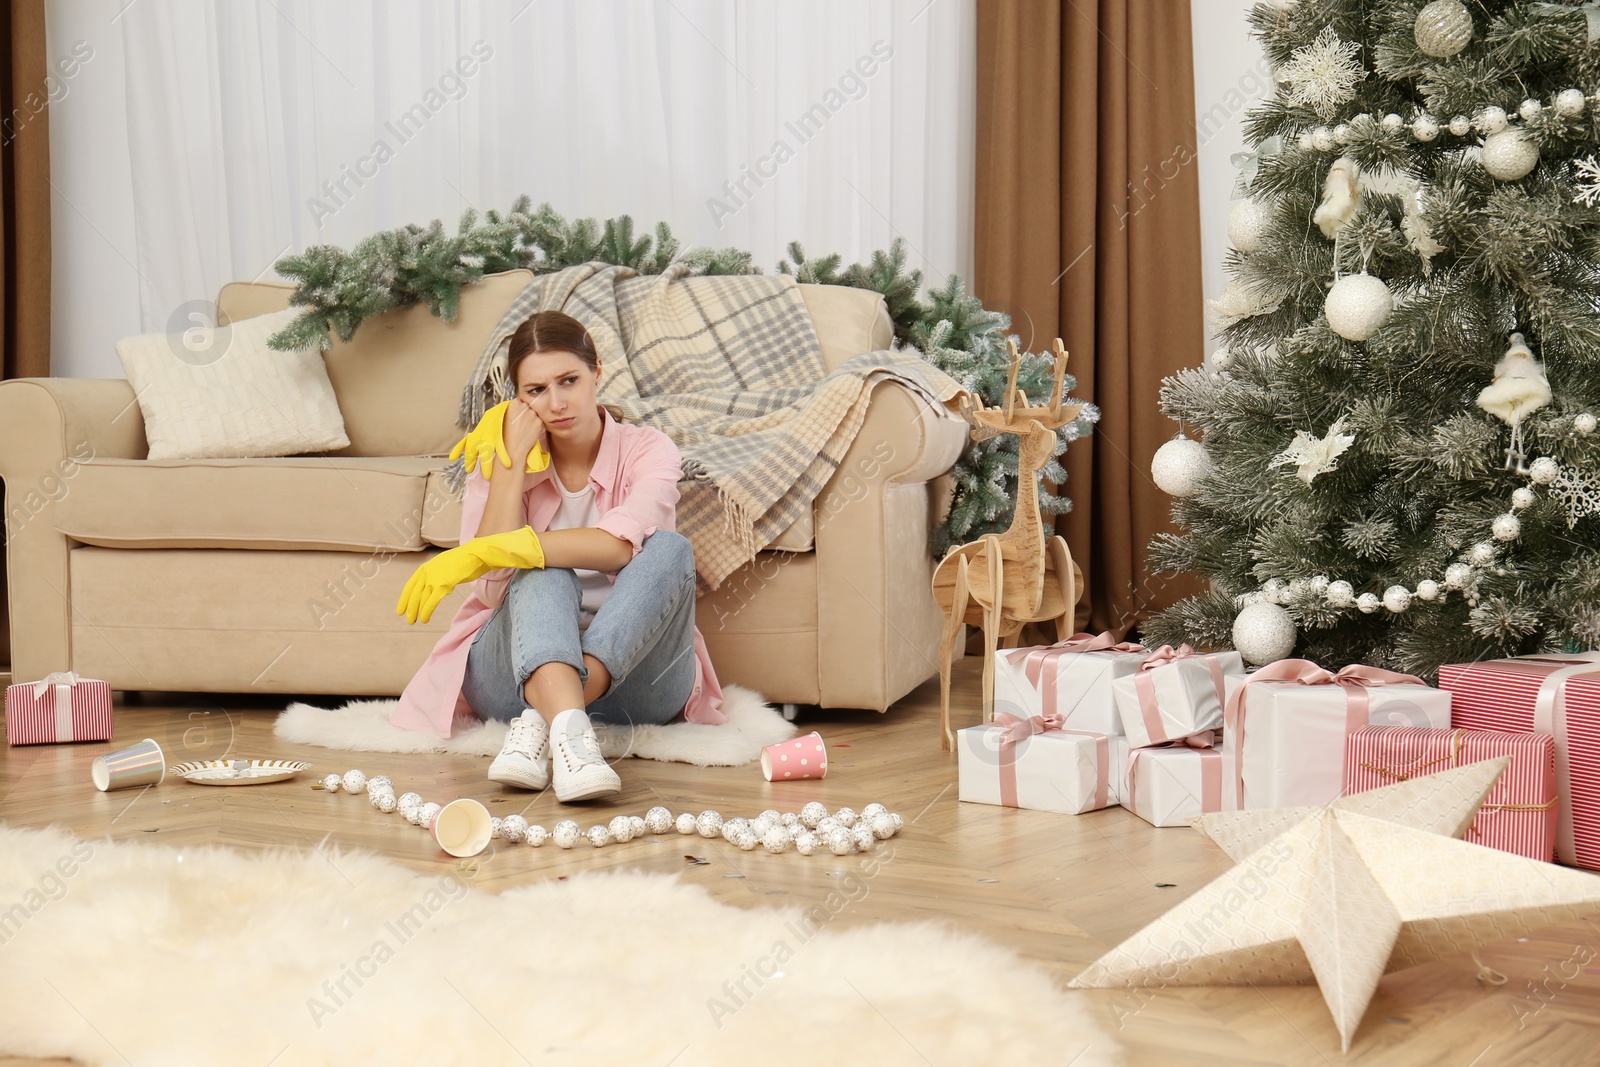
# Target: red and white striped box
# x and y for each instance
(60, 707)
(1521, 811)
(1557, 695)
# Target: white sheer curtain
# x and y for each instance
(261, 127)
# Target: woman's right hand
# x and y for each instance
(525, 437)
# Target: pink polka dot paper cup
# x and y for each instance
(804, 757)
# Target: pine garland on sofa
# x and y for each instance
(399, 268)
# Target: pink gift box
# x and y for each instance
(1175, 693)
(1287, 725)
(61, 707)
(1521, 811)
(1557, 695)
(1065, 771)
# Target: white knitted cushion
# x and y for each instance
(222, 393)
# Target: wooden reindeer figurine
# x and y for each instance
(1003, 581)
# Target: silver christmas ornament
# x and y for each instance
(1492, 119)
(840, 843)
(1482, 553)
(1341, 594)
(1264, 633)
(1584, 423)
(1510, 154)
(882, 826)
(1357, 306)
(354, 782)
(1397, 598)
(1457, 575)
(776, 839)
(1428, 589)
(1530, 109)
(658, 820)
(1180, 465)
(813, 813)
(1247, 224)
(1544, 470)
(383, 801)
(1461, 125)
(621, 829)
(1506, 527)
(1522, 497)
(685, 823)
(708, 823)
(599, 836)
(847, 817)
(536, 835)
(426, 813)
(332, 783)
(1367, 603)
(565, 834)
(1443, 28)
(1569, 102)
(513, 827)
(805, 842)
(1425, 128)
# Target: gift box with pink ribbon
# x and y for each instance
(1286, 728)
(1520, 813)
(1175, 693)
(1070, 679)
(1557, 695)
(1171, 783)
(1034, 763)
(59, 707)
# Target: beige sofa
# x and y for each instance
(281, 575)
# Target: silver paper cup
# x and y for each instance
(128, 768)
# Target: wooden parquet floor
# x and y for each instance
(1058, 889)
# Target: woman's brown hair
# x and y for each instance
(554, 331)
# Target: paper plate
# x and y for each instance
(238, 771)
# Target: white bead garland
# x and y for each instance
(1584, 423)
(1505, 527)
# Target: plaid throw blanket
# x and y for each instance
(730, 369)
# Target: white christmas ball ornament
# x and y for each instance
(1306, 142)
(1357, 307)
(496, 827)
(658, 820)
(1530, 109)
(1247, 223)
(776, 839)
(535, 835)
(354, 782)
(1428, 589)
(899, 823)
(1264, 633)
(621, 829)
(1341, 133)
(1273, 590)
(383, 801)
(1482, 553)
(1392, 121)
(1457, 575)
(1461, 125)
(565, 834)
(872, 811)
(847, 817)
(882, 826)
(410, 800)
(840, 843)
(709, 823)
(1180, 465)
(1443, 28)
(1506, 527)
(637, 826)
(1569, 102)
(805, 842)
(332, 783)
(1584, 423)
(1322, 139)
(1492, 119)
(599, 836)
(1221, 359)
(1425, 128)
(513, 828)
(864, 841)
(1368, 603)
(1341, 594)
(1510, 154)
(1522, 497)
(1397, 598)
(426, 813)
(813, 813)
(685, 823)
(1544, 470)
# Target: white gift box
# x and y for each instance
(1174, 695)
(1284, 741)
(1058, 680)
(1169, 784)
(1058, 770)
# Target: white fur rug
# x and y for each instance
(363, 726)
(148, 954)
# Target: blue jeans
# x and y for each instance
(643, 633)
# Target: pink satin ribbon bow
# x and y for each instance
(1149, 709)
(1015, 728)
(1355, 679)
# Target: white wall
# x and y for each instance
(1230, 77)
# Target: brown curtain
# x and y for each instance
(1088, 228)
(24, 215)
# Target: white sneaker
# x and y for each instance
(524, 759)
(580, 772)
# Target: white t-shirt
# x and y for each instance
(579, 511)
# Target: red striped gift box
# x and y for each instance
(61, 707)
(1520, 813)
(1536, 694)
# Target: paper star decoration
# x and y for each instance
(1324, 74)
(1315, 455)
(1340, 898)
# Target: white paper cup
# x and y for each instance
(127, 768)
(462, 827)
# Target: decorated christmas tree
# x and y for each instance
(1394, 457)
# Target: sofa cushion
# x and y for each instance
(304, 502)
(399, 378)
(848, 321)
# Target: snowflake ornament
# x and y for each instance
(1324, 74)
(1578, 493)
(1315, 455)
(1588, 182)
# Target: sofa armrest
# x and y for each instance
(48, 428)
(874, 567)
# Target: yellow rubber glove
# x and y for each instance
(487, 442)
(432, 582)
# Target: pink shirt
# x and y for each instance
(635, 480)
